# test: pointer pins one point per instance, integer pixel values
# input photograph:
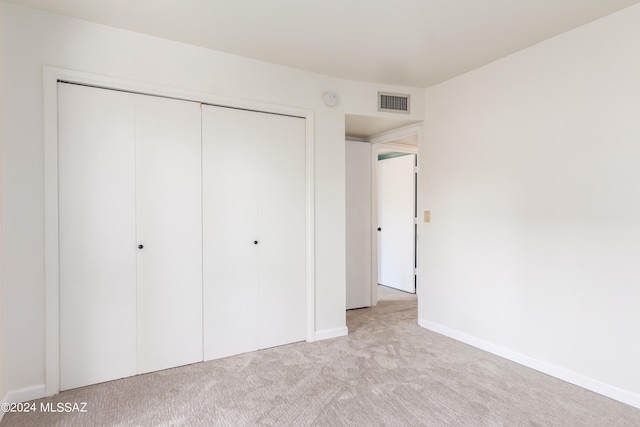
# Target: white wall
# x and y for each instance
(532, 175)
(3, 369)
(34, 39)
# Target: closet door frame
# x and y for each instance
(51, 77)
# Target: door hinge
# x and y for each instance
(415, 220)
(415, 169)
(415, 271)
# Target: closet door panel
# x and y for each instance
(169, 226)
(230, 198)
(281, 225)
(96, 155)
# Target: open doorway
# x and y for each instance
(397, 219)
(369, 141)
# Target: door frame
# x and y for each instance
(51, 77)
(384, 143)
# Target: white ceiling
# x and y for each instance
(406, 42)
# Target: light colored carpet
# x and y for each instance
(387, 372)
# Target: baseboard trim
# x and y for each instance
(326, 334)
(591, 384)
(26, 394)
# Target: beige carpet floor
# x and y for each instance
(387, 372)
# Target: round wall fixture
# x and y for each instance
(331, 99)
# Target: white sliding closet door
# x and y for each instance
(396, 213)
(169, 227)
(281, 227)
(97, 243)
(254, 230)
(230, 203)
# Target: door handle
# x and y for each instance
(379, 228)
(140, 246)
(255, 242)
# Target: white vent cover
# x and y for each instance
(394, 102)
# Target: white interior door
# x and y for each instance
(230, 203)
(358, 224)
(281, 227)
(169, 227)
(96, 155)
(396, 213)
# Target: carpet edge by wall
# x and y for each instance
(326, 334)
(580, 380)
(25, 394)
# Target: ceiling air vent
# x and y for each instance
(394, 102)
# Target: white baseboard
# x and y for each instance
(25, 394)
(591, 384)
(325, 334)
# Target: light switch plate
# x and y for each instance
(427, 216)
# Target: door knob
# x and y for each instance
(255, 242)
(379, 228)
(140, 246)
